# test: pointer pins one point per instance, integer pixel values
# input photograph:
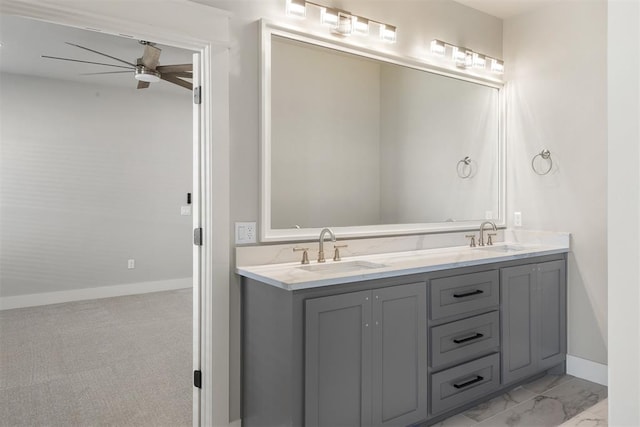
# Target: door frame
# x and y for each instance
(205, 30)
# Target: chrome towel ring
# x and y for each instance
(463, 168)
(546, 155)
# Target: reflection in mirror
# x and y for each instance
(357, 141)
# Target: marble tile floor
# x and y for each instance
(547, 402)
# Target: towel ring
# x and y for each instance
(546, 155)
(466, 165)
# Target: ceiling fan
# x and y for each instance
(146, 69)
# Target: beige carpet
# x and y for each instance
(124, 361)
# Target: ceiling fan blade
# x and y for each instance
(185, 74)
(103, 54)
(105, 72)
(143, 85)
(175, 80)
(151, 56)
(176, 68)
(85, 62)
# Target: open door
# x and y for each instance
(197, 198)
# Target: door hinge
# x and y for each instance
(197, 95)
(197, 236)
(197, 379)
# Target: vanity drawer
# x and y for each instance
(455, 295)
(465, 338)
(464, 383)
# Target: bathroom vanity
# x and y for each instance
(403, 330)
(401, 338)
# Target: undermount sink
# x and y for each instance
(341, 267)
(503, 248)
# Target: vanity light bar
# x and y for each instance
(342, 22)
(466, 58)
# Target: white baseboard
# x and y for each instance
(46, 298)
(587, 370)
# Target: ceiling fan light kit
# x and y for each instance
(146, 70)
(144, 74)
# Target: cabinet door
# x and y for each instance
(553, 313)
(399, 385)
(338, 360)
(519, 328)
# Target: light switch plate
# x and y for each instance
(245, 233)
(185, 210)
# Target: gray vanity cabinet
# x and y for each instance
(366, 358)
(399, 376)
(338, 360)
(533, 318)
(401, 350)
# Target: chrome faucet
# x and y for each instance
(492, 224)
(321, 246)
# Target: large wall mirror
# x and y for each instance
(372, 144)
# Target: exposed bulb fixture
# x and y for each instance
(438, 47)
(459, 56)
(465, 58)
(388, 33)
(296, 8)
(329, 16)
(497, 65)
(360, 25)
(341, 22)
(479, 60)
(145, 74)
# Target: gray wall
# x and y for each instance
(90, 177)
(557, 99)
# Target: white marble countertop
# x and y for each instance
(294, 276)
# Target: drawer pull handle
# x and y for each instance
(468, 383)
(468, 294)
(472, 337)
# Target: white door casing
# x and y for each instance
(187, 25)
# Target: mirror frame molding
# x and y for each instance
(268, 234)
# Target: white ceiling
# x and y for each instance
(505, 8)
(25, 40)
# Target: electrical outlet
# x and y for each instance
(517, 219)
(245, 233)
(185, 210)
(131, 263)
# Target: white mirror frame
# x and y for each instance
(268, 234)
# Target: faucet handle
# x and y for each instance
(472, 244)
(489, 241)
(336, 253)
(305, 255)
